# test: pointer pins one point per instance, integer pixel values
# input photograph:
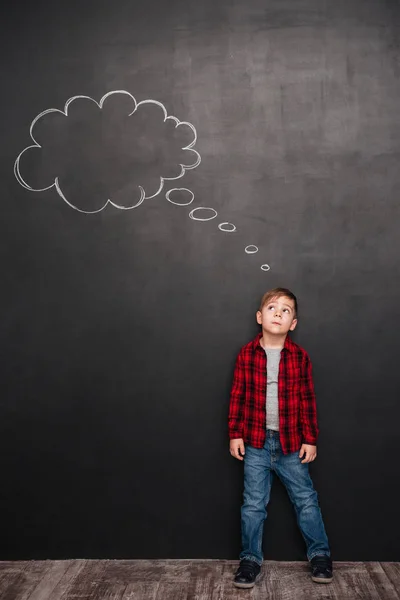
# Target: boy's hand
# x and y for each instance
(236, 448)
(309, 451)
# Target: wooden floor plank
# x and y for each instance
(74, 567)
(6, 565)
(136, 570)
(191, 580)
(20, 585)
(382, 582)
(353, 581)
(169, 590)
(99, 580)
(85, 585)
(287, 580)
(175, 581)
(11, 576)
(53, 575)
(109, 591)
(205, 581)
(140, 590)
(113, 581)
(392, 571)
(177, 570)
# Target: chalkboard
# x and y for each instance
(164, 164)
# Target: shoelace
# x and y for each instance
(322, 562)
(246, 569)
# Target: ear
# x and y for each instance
(259, 317)
(293, 325)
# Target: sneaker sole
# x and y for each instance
(244, 586)
(322, 579)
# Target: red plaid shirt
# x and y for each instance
(296, 397)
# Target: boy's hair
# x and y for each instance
(278, 293)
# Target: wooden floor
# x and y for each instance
(191, 580)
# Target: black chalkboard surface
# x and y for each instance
(164, 164)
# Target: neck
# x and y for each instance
(272, 341)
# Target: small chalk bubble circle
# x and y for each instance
(265, 267)
(180, 192)
(251, 249)
(203, 218)
(228, 227)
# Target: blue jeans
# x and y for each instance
(259, 468)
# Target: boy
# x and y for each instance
(272, 426)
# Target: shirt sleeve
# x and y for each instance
(308, 405)
(237, 400)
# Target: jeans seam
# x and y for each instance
(260, 535)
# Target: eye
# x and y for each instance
(270, 306)
(286, 309)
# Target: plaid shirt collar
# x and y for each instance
(289, 345)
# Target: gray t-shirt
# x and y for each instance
(273, 360)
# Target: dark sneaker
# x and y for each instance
(246, 574)
(321, 569)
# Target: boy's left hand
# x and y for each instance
(309, 451)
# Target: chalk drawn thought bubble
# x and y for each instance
(251, 249)
(180, 196)
(116, 151)
(184, 197)
(227, 227)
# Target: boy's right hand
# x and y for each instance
(236, 448)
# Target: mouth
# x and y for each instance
(276, 323)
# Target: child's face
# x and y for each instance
(277, 316)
